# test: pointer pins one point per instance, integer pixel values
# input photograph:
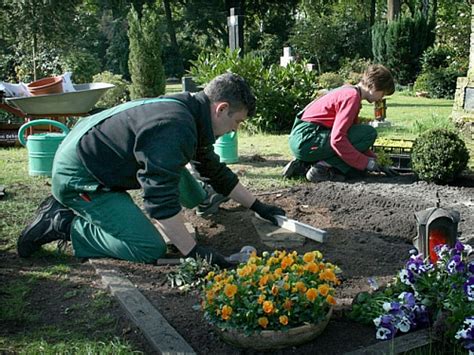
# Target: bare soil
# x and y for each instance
(370, 223)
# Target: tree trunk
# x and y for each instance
(372, 12)
(393, 9)
(172, 34)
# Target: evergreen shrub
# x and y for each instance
(144, 63)
(439, 156)
(400, 44)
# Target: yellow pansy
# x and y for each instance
(308, 257)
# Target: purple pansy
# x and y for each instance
(385, 328)
(469, 288)
(408, 298)
(391, 307)
(441, 250)
(466, 333)
(455, 264)
(470, 267)
(406, 277)
(458, 248)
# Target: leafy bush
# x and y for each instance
(281, 91)
(82, 64)
(115, 95)
(439, 72)
(352, 70)
(276, 291)
(439, 156)
(421, 83)
(330, 80)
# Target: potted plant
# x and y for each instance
(279, 299)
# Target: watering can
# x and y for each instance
(41, 147)
(226, 148)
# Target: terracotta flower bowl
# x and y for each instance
(46, 86)
(275, 339)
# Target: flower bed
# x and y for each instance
(424, 294)
(277, 291)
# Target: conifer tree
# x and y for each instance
(144, 63)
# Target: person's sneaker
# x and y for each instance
(318, 173)
(52, 222)
(211, 204)
(294, 168)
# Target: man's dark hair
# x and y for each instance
(231, 88)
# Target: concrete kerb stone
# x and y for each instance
(159, 333)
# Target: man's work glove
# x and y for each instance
(267, 211)
(211, 256)
(374, 166)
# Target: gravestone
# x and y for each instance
(463, 107)
(235, 22)
(287, 57)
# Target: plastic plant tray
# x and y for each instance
(400, 156)
(76, 102)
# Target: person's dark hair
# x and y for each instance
(379, 78)
(233, 89)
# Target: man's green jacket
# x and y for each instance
(147, 146)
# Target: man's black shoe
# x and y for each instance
(294, 169)
(212, 202)
(51, 222)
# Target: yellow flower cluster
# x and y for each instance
(277, 290)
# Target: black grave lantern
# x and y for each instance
(435, 226)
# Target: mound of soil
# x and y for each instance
(370, 224)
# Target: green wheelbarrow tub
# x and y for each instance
(75, 102)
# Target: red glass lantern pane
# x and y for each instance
(436, 237)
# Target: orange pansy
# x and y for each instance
(268, 307)
(323, 289)
(226, 312)
(283, 320)
(311, 294)
(230, 290)
(263, 322)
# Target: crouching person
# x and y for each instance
(326, 139)
(143, 144)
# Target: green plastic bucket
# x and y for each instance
(226, 148)
(41, 147)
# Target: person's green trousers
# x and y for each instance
(108, 223)
(311, 143)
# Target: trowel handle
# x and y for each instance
(41, 122)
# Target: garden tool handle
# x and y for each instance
(21, 131)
